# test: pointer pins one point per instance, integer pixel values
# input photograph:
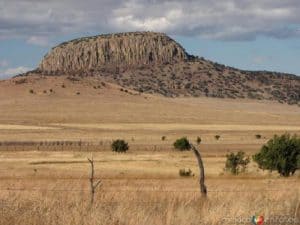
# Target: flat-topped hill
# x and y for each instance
(153, 63)
(113, 50)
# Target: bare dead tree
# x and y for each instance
(93, 184)
(203, 188)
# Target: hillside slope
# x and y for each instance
(154, 63)
(55, 108)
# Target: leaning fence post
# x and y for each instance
(203, 188)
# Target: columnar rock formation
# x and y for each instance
(123, 50)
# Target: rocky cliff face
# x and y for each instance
(118, 50)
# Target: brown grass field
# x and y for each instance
(48, 183)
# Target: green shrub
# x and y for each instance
(31, 91)
(119, 146)
(258, 136)
(217, 137)
(281, 153)
(198, 140)
(185, 172)
(182, 144)
(163, 138)
(236, 163)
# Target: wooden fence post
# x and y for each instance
(203, 188)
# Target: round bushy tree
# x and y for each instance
(281, 153)
(119, 146)
(182, 144)
(236, 163)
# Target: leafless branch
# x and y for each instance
(93, 185)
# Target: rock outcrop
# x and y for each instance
(117, 50)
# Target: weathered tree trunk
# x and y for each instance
(92, 185)
(203, 189)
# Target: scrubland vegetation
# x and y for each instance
(151, 196)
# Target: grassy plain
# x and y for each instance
(48, 184)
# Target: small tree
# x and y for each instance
(281, 153)
(198, 140)
(182, 144)
(217, 137)
(119, 146)
(236, 163)
(163, 138)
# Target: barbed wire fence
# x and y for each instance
(143, 190)
(74, 145)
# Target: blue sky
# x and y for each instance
(260, 54)
(251, 35)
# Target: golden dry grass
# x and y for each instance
(143, 185)
(101, 115)
(138, 188)
(149, 203)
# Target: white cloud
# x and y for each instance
(38, 40)
(10, 72)
(152, 24)
(228, 19)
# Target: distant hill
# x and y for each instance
(154, 63)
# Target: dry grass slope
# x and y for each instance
(144, 188)
(44, 169)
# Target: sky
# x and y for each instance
(246, 34)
